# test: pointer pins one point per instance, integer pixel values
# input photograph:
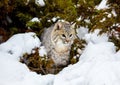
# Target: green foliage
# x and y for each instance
(76, 50)
(34, 25)
(37, 27)
(22, 11)
(40, 64)
(93, 18)
(37, 63)
(115, 36)
(98, 19)
(116, 42)
(64, 9)
(24, 17)
(13, 30)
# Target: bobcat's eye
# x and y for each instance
(63, 35)
(70, 35)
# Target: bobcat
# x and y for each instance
(57, 40)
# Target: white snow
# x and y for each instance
(40, 2)
(114, 13)
(104, 18)
(95, 37)
(12, 72)
(97, 66)
(19, 44)
(55, 18)
(78, 19)
(102, 5)
(118, 56)
(42, 51)
(99, 63)
(35, 19)
(81, 32)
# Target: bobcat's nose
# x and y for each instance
(67, 40)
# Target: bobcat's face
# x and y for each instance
(63, 36)
(67, 36)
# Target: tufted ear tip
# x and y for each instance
(73, 25)
(58, 25)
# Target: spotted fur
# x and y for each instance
(57, 40)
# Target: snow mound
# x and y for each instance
(81, 32)
(15, 73)
(97, 66)
(95, 37)
(12, 71)
(19, 44)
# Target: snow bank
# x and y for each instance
(19, 44)
(95, 37)
(81, 32)
(98, 65)
(118, 56)
(12, 72)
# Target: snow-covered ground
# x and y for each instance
(12, 72)
(99, 64)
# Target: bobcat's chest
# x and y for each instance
(61, 47)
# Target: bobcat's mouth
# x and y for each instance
(65, 42)
(62, 42)
(62, 46)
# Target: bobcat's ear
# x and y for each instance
(58, 26)
(73, 26)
